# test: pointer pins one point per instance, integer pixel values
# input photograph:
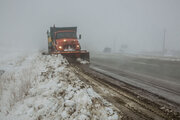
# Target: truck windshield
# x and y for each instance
(66, 35)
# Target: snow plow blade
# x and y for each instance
(73, 55)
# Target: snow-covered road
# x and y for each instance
(44, 87)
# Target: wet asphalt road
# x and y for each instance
(161, 77)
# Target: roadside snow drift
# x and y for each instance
(38, 87)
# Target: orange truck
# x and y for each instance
(64, 40)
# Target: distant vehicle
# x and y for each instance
(63, 40)
(107, 50)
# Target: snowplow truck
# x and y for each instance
(64, 41)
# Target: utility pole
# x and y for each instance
(164, 42)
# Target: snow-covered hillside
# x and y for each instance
(44, 87)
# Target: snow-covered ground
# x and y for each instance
(164, 58)
(139, 56)
(34, 86)
(82, 61)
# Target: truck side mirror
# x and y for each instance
(48, 34)
(79, 36)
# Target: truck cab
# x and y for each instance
(66, 40)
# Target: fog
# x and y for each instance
(130, 44)
(139, 24)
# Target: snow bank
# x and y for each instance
(44, 87)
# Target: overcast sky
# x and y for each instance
(102, 23)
